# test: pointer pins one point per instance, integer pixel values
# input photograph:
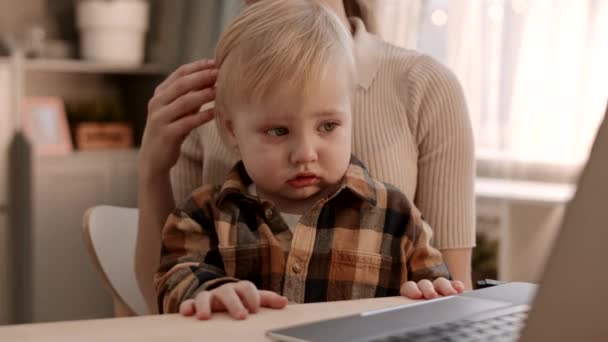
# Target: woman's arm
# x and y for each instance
(459, 263)
(173, 112)
(446, 163)
(155, 202)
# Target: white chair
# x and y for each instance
(110, 234)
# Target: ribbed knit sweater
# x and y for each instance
(411, 129)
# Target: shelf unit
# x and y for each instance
(41, 213)
(48, 195)
(180, 31)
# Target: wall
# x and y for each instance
(14, 14)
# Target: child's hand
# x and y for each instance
(425, 289)
(239, 299)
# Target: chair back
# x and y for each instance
(110, 234)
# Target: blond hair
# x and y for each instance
(277, 43)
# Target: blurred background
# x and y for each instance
(73, 104)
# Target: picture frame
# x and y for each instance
(45, 124)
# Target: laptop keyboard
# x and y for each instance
(500, 328)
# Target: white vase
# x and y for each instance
(113, 31)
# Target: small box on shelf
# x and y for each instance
(110, 135)
(100, 125)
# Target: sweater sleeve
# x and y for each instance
(446, 159)
(186, 175)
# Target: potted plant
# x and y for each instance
(113, 30)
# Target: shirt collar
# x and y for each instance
(367, 48)
(236, 183)
(357, 179)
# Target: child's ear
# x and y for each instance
(226, 127)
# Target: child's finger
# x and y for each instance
(231, 301)
(458, 286)
(269, 299)
(410, 290)
(186, 308)
(443, 287)
(427, 288)
(249, 295)
(202, 305)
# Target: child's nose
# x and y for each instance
(303, 151)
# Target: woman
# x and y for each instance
(411, 129)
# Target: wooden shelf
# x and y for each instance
(80, 66)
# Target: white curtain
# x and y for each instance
(561, 82)
(397, 21)
(464, 56)
(535, 74)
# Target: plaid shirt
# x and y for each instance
(363, 241)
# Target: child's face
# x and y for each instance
(297, 150)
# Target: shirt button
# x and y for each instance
(296, 268)
(268, 213)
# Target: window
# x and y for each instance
(534, 71)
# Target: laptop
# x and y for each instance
(570, 304)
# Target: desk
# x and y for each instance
(175, 328)
(529, 215)
(524, 191)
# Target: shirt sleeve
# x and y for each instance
(424, 261)
(190, 259)
(446, 160)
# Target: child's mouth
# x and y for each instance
(303, 181)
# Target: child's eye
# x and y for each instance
(328, 126)
(277, 131)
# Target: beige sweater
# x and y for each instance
(411, 129)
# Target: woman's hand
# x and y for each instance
(173, 112)
(238, 299)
